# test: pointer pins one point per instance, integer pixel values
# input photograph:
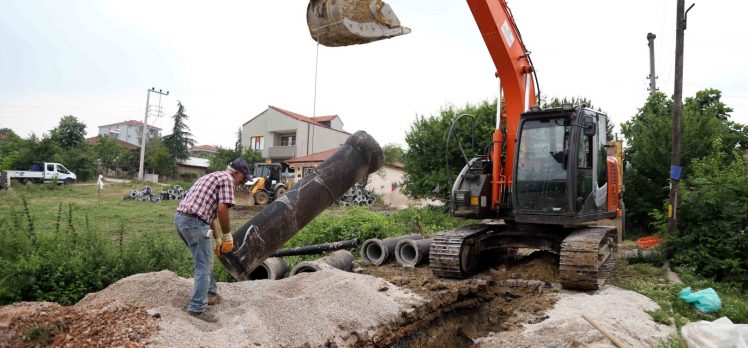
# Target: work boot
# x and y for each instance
(214, 299)
(204, 316)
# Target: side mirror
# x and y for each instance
(590, 128)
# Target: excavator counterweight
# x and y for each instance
(352, 22)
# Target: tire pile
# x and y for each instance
(174, 193)
(146, 194)
(357, 195)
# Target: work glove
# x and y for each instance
(226, 245)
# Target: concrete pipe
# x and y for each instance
(378, 251)
(273, 268)
(279, 221)
(341, 259)
(411, 253)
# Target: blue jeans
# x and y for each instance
(194, 233)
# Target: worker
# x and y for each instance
(209, 199)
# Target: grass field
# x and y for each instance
(105, 212)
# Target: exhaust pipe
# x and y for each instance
(378, 251)
(261, 236)
(351, 22)
(411, 253)
(273, 268)
(341, 259)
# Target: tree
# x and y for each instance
(238, 144)
(180, 139)
(393, 153)
(109, 152)
(69, 133)
(649, 137)
(425, 160)
(10, 145)
(713, 237)
(81, 160)
(159, 159)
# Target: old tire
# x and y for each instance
(68, 181)
(262, 198)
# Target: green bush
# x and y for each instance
(64, 263)
(713, 218)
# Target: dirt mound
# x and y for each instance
(620, 311)
(318, 308)
(106, 324)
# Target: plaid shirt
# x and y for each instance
(203, 197)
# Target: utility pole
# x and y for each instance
(652, 77)
(144, 135)
(675, 169)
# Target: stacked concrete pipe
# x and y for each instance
(412, 252)
(272, 268)
(378, 251)
(341, 259)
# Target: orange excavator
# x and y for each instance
(543, 182)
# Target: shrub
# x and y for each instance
(713, 217)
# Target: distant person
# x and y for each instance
(209, 198)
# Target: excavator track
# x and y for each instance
(454, 254)
(587, 256)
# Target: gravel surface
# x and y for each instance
(621, 312)
(310, 308)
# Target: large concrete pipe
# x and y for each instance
(278, 222)
(341, 259)
(318, 248)
(378, 251)
(272, 268)
(411, 253)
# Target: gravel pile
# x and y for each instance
(105, 324)
(310, 308)
(621, 312)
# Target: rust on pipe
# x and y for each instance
(261, 236)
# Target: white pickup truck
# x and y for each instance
(43, 172)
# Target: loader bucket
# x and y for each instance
(351, 22)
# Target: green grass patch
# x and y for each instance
(651, 281)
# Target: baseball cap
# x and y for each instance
(241, 166)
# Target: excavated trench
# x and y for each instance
(459, 311)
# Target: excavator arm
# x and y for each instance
(516, 74)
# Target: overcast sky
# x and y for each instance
(228, 60)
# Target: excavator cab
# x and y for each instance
(561, 174)
(351, 22)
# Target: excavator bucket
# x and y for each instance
(352, 22)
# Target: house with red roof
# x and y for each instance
(281, 135)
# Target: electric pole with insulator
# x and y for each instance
(144, 136)
(675, 169)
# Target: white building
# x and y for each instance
(129, 131)
(281, 134)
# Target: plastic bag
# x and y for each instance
(706, 301)
(716, 334)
